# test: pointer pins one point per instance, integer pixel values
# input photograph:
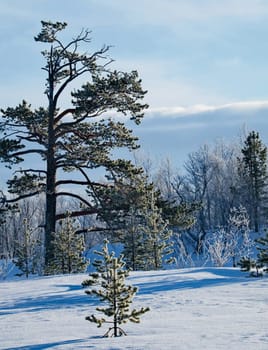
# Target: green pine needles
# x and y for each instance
(68, 249)
(257, 267)
(147, 238)
(110, 276)
(158, 244)
(263, 251)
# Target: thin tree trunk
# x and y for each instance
(115, 301)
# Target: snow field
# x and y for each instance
(199, 308)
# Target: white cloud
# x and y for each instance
(175, 132)
(200, 109)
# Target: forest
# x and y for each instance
(213, 211)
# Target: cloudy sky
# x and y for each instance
(203, 62)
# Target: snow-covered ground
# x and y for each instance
(206, 308)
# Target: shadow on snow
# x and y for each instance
(166, 281)
(51, 345)
(51, 301)
(177, 281)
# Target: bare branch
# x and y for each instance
(70, 125)
(64, 113)
(29, 151)
(21, 171)
(71, 182)
(78, 213)
(23, 196)
(69, 194)
(92, 229)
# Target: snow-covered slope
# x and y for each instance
(206, 308)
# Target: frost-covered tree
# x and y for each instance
(238, 234)
(12, 229)
(110, 277)
(231, 242)
(219, 247)
(211, 180)
(28, 251)
(78, 137)
(69, 247)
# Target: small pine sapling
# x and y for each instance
(263, 251)
(110, 275)
(246, 264)
(250, 265)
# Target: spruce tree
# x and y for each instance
(263, 250)
(157, 237)
(253, 175)
(133, 239)
(247, 264)
(110, 276)
(68, 249)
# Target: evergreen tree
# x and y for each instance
(5, 208)
(79, 138)
(110, 276)
(133, 239)
(263, 250)
(247, 264)
(157, 237)
(28, 251)
(68, 249)
(253, 173)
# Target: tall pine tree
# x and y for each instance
(253, 174)
(79, 137)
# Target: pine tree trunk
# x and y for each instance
(50, 224)
(256, 207)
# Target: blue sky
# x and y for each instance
(203, 62)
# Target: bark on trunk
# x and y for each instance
(50, 224)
